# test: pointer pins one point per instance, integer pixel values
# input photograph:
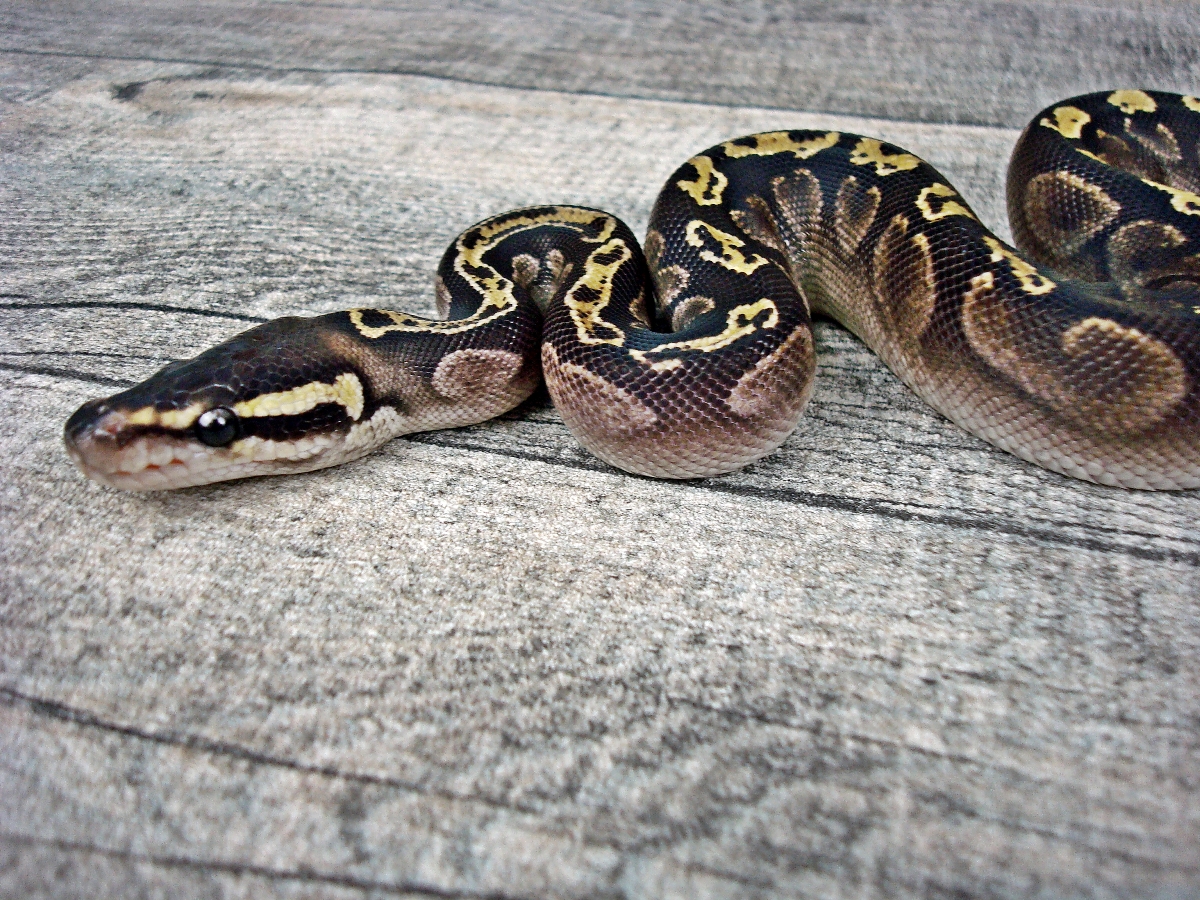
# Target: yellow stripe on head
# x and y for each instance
(177, 419)
(346, 390)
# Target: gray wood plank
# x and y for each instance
(979, 62)
(886, 662)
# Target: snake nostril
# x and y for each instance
(88, 420)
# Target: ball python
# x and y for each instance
(694, 357)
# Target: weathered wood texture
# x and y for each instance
(976, 62)
(889, 661)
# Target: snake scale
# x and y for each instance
(694, 357)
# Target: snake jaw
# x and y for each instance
(107, 448)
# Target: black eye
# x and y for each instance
(217, 427)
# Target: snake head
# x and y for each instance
(272, 400)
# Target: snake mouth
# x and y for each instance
(107, 448)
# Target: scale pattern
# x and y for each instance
(694, 356)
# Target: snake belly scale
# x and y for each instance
(694, 356)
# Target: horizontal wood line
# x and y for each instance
(55, 710)
(1118, 838)
(962, 518)
(237, 868)
(60, 711)
(90, 353)
(133, 304)
(73, 374)
(479, 82)
(230, 867)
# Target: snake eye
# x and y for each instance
(217, 427)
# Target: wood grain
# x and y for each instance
(888, 661)
(981, 62)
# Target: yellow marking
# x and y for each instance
(494, 231)
(948, 208)
(663, 365)
(1130, 102)
(598, 278)
(346, 390)
(1068, 121)
(1090, 155)
(637, 308)
(1032, 282)
(147, 415)
(738, 324)
(497, 291)
(731, 257)
(402, 322)
(383, 425)
(179, 419)
(1192, 103)
(707, 188)
(771, 142)
(1184, 201)
(870, 152)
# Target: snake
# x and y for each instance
(692, 355)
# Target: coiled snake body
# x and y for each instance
(695, 358)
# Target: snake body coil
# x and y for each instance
(695, 357)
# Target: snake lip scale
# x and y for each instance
(692, 355)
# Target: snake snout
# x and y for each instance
(92, 421)
(91, 435)
(112, 446)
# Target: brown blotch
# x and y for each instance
(469, 374)
(1135, 380)
(557, 263)
(688, 310)
(854, 211)
(669, 283)
(441, 297)
(1065, 211)
(1145, 255)
(525, 270)
(1162, 142)
(778, 381)
(799, 199)
(989, 326)
(559, 270)
(653, 248)
(383, 379)
(582, 395)
(757, 221)
(904, 280)
(1116, 152)
(1111, 378)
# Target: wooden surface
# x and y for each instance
(888, 661)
